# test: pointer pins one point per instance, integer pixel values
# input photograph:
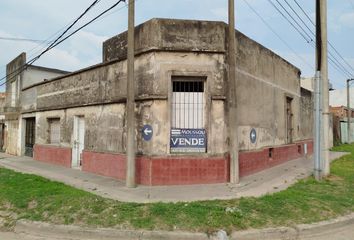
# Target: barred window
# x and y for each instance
(188, 104)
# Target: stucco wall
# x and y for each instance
(104, 128)
(306, 114)
(14, 74)
(12, 136)
(179, 48)
(264, 80)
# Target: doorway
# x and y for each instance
(30, 136)
(79, 141)
(289, 120)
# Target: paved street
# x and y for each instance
(343, 233)
(346, 233)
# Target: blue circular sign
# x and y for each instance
(253, 135)
(147, 132)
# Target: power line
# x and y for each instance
(21, 39)
(22, 68)
(298, 16)
(57, 39)
(334, 60)
(296, 22)
(276, 34)
(329, 43)
(292, 24)
(71, 25)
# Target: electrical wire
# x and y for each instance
(287, 19)
(278, 36)
(332, 58)
(52, 43)
(331, 55)
(329, 43)
(21, 39)
(30, 62)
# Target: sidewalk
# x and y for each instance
(267, 181)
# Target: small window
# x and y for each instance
(54, 130)
(270, 153)
(188, 104)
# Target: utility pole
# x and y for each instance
(232, 104)
(322, 159)
(325, 88)
(349, 111)
(130, 106)
(317, 133)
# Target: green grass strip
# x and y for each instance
(27, 196)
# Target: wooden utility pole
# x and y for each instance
(130, 106)
(232, 104)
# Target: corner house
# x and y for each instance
(181, 111)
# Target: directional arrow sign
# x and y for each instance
(147, 132)
(253, 136)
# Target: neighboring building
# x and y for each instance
(341, 111)
(308, 83)
(2, 121)
(181, 85)
(340, 124)
(19, 100)
(338, 97)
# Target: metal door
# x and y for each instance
(79, 141)
(30, 136)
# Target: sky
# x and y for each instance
(42, 19)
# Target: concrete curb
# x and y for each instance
(302, 230)
(75, 232)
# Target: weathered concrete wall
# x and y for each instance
(13, 73)
(182, 48)
(169, 35)
(12, 131)
(306, 114)
(172, 64)
(104, 127)
(104, 83)
(107, 84)
(264, 80)
(29, 99)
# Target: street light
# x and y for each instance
(349, 115)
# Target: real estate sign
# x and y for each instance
(188, 140)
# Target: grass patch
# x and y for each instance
(35, 198)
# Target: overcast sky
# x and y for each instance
(40, 19)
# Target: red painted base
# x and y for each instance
(106, 164)
(256, 161)
(52, 154)
(159, 171)
(175, 170)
